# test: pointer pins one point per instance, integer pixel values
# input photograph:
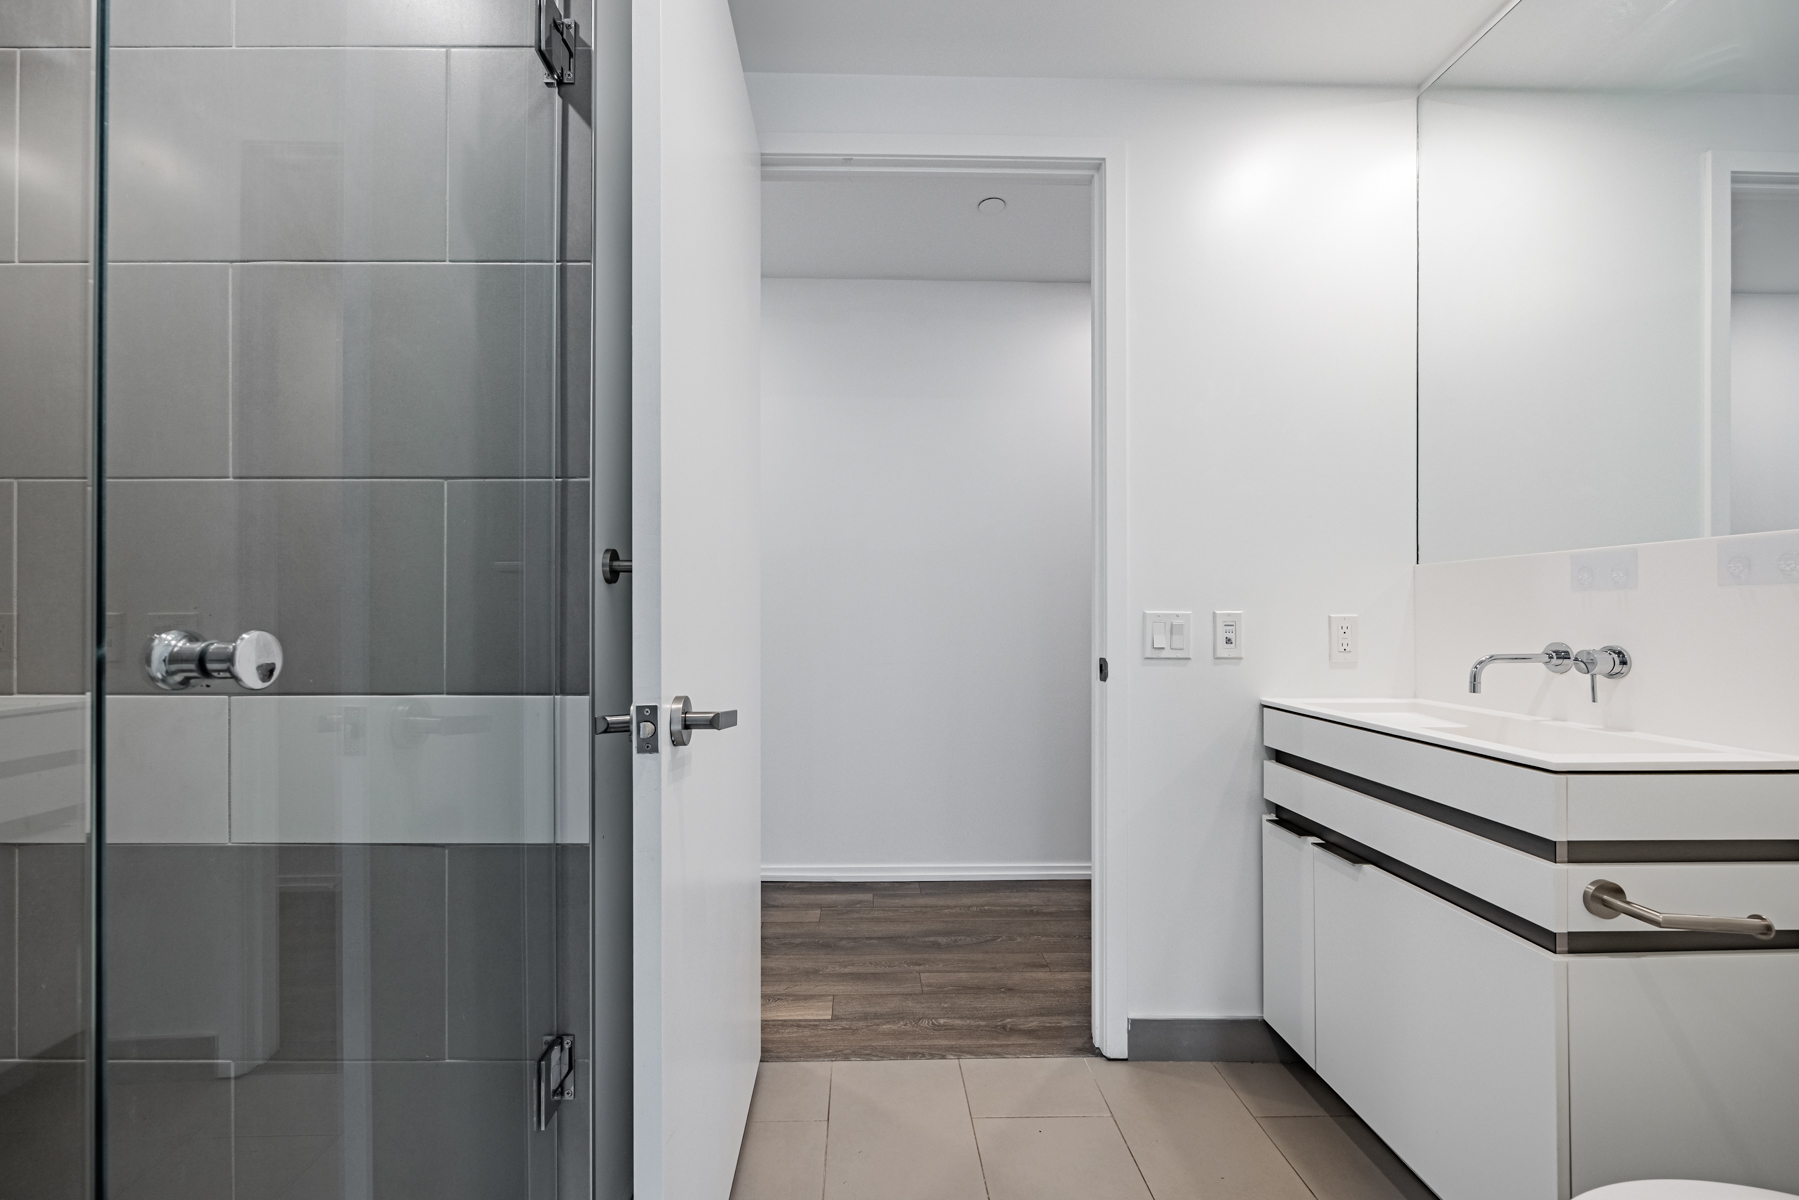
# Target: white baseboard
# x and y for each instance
(908, 872)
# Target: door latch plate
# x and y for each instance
(644, 718)
(555, 1076)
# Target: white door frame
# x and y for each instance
(1720, 165)
(1112, 630)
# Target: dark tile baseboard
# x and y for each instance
(1207, 1039)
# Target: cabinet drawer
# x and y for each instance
(1442, 1032)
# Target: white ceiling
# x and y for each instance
(925, 226)
(1398, 42)
(1636, 45)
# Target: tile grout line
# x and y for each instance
(1128, 1148)
(231, 361)
(968, 1107)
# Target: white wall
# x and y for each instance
(1561, 292)
(1713, 651)
(1269, 322)
(926, 591)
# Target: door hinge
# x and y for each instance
(557, 37)
(555, 1076)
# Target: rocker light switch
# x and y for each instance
(1167, 635)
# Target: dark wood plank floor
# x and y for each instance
(926, 970)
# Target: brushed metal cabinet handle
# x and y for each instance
(1607, 901)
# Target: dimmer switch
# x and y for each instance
(1167, 635)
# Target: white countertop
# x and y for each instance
(1534, 741)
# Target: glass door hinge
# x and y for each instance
(555, 1076)
(557, 37)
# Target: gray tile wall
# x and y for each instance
(402, 993)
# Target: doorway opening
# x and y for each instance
(933, 651)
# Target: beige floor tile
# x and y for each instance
(796, 1008)
(1192, 1138)
(792, 1091)
(1278, 1090)
(781, 1160)
(1032, 1087)
(1335, 1167)
(1057, 1158)
(901, 1131)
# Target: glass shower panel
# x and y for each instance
(46, 664)
(345, 405)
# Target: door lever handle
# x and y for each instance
(618, 724)
(1606, 900)
(683, 720)
(612, 566)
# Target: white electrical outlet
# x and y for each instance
(1343, 639)
(1167, 635)
(1227, 634)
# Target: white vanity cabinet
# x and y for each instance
(1438, 969)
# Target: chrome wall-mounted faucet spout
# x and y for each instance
(1556, 656)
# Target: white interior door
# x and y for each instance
(696, 619)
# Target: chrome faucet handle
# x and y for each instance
(1607, 662)
(176, 657)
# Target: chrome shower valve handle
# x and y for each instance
(1607, 662)
(177, 657)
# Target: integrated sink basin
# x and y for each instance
(1535, 741)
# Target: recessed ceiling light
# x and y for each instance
(991, 205)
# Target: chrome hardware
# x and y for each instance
(612, 566)
(1556, 656)
(682, 720)
(1607, 662)
(1606, 900)
(555, 1076)
(618, 724)
(557, 37)
(176, 658)
(645, 716)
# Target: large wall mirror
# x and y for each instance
(1609, 278)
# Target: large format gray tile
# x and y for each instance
(452, 1131)
(577, 588)
(357, 23)
(52, 889)
(488, 961)
(501, 609)
(361, 953)
(168, 404)
(1057, 1158)
(1192, 1138)
(428, 370)
(171, 22)
(781, 1160)
(348, 575)
(52, 557)
(43, 1131)
(900, 1130)
(1032, 1087)
(286, 154)
(791, 1091)
(575, 418)
(502, 157)
(43, 389)
(193, 952)
(54, 107)
(1335, 1167)
(9, 911)
(8, 598)
(169, 1131)
(45, 23)
(9, 152)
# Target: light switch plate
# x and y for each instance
(1345, 632)
(1227, 634)
(1167, 635)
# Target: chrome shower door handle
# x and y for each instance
(1606, 900)
(683, 720)
(176, 658)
